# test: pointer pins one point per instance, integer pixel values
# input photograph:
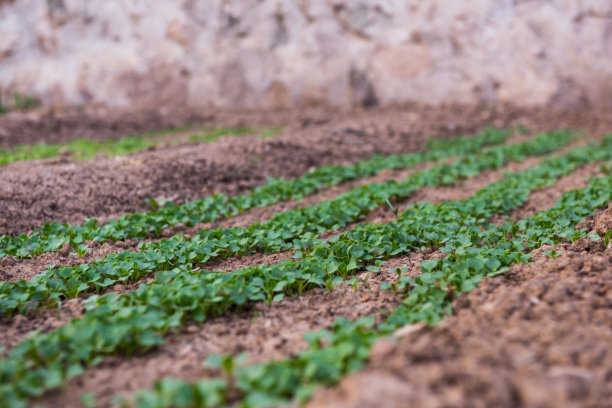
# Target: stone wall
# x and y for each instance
(272, 53)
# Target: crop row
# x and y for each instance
(52, 235)
(136, 321)
(83, 149)
(473, 254)
(293, 229)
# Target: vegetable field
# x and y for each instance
(382, 260)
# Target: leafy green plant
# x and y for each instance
(217, 133)
(394, 210)
(83, 149)
(270, 132)
(228, 363)
(291, 230)
(136, 321)
(553, 254)
(141, 225)
(333, 354)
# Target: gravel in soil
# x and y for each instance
(537, 336)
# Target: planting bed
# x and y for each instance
(422, 257)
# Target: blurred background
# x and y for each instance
(302, 53)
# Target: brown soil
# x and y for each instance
(261, 332)
(166, 357)
(546, 197)
(99, 123)
(459, 191)
(15, 329)
(537, 336)
(110, 187)
(13, 269)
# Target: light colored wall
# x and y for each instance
(270, 53)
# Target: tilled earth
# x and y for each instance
(536, 336)
(34, 192)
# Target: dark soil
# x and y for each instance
(14, 269)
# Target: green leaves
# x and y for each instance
(181, 292)
(332, 355)
(52, 236)
(294, 229)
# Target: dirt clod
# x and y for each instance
(603, 221)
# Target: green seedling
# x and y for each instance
(82, 250)
(394, 210)
(553, 254)
(88, 400)
(270, 132)
(140, 225)
(296, 229)
(227, 363)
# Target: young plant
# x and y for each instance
(227, 363)
(553, 254)
(394, 210)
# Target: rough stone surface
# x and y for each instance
(250, 53)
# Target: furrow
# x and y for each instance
(14, 269)
(360, 244)
(547, 196)
(140, 225)
(260, 331)
(292, 229)
(538, 335)
(17, 328)
(473, 255)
